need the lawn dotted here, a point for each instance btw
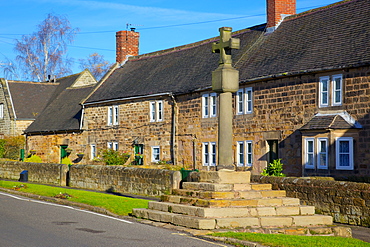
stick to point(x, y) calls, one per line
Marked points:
point(280, 240)
point(116, 204)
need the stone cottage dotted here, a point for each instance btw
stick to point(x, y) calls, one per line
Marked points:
point(20, 103)
point(303, 97)
point(58, 128)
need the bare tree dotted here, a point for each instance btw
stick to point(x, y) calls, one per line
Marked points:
point(43, 53)
point(96, 64)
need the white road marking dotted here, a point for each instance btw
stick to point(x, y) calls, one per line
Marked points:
point(64, 206)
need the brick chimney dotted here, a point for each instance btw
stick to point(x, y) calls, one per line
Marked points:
point(277, 10)
point(127, 44)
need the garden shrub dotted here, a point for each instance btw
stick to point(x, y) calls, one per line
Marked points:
point(10, 146)
point(33, 159)
point(113, 158)
point(274, 169)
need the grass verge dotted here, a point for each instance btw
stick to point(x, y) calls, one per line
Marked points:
point(277, 240)
point(116, 204)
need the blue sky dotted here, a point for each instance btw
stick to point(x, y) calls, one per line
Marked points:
point(162, 23)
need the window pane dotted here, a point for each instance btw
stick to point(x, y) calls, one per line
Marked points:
point(241, 153)
point(344, 160)
point(344, 147)
point(160, 108)
point(213, 153)
point(206, 154)
point(310, 160)
point(322, 159)
point(206, 104)
point(310, 146)
point(249, 100)
point(240, 102)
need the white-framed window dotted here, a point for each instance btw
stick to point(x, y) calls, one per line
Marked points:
point(209, 153)
point(331, 87)
point(322, 153)
point(1, 111)
point(113, 145)
point(93, 151)
point(209, 105)
point(244, 151)
point(156, 154)
point(156, 111)
point(337, 90)
point(244, 101)
point(344, 153)
point(310, 153)
point(113, 113)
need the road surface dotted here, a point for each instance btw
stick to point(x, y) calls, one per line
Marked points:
point(27, 222)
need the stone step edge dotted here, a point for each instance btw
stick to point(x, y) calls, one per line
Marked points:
point(258, 202)
point(232, 223)
point(206, 186)
point(231, 212)
point(245, 194)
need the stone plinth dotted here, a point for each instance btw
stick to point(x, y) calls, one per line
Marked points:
point(227, 199)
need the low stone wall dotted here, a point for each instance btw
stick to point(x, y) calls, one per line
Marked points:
point(347, 202)
point(37, 172)
point(152, 182)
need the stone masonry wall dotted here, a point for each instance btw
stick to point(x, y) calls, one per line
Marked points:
point(37, 172)
point(134, 125)
point(347, 202)
point(152, 182)
point(48, 146)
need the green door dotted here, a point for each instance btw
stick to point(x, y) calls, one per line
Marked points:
point(139, 154)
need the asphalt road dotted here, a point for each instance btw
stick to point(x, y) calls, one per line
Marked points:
point(27, 222)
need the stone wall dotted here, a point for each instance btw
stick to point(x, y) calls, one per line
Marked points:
point(44, 173)
point(347, 202)
point(152, 182)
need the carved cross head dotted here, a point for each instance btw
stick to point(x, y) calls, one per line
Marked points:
point(225, 45)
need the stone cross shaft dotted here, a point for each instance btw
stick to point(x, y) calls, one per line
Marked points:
point(225, 81)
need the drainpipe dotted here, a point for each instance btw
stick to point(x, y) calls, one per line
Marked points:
point(173, 132)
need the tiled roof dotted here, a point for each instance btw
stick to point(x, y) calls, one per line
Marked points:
point(30, 98)
point(330, 121)
point(63, 111)
point(332, 37)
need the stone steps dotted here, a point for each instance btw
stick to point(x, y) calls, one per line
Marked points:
point(249, 194)
point(255, 202)
point(227, 199)
point(233, 222)
point(230, 212)
point(225, 187)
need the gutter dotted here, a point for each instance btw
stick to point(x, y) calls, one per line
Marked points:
point(128, 98)
point(173, 132)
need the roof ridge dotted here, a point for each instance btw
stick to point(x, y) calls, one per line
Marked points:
point(320, 9)
point(191, 45)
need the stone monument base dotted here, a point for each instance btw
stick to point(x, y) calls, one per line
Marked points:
point(227, 199)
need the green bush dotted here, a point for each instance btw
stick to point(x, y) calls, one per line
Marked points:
point(274, 169)
point(33, 159)
point(10, 146)
point(114, 158)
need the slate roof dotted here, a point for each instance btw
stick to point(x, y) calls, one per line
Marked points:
point(30, 98)
point(332, 37)
point(331, 121)
point(63, 111)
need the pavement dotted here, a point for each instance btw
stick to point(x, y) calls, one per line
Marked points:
point(358, 232)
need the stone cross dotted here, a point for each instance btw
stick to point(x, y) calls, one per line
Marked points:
point(225, 81)
point(225, 45)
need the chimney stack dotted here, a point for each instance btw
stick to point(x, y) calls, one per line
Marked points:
point(127, 44)
point(277, 10)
